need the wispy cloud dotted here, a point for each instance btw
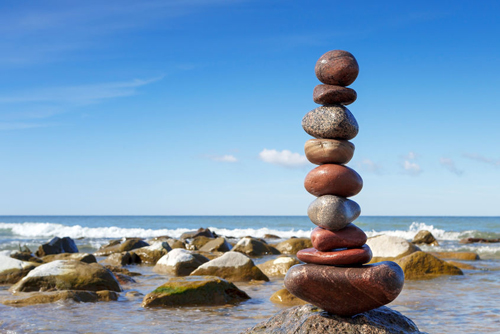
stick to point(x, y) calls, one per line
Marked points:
point(483, 159)
point(284, 158)
point(23, 125)
point(368, 165)
point(449, 164)
point(409, 165)
point(223, 158)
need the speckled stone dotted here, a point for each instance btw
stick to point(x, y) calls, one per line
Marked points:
point(329, 151)
point(337, 67)
point(346, 291)
point(336, 257)
point(333, 212)
point(331, 94)
point(331, 179)
point(350, 236)
point(330, 122)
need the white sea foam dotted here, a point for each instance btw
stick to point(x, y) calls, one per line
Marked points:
point(415, 227)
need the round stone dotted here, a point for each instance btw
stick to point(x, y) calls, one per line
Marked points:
point(336, 257)
point(346, 291)
point(333, 212)
point(337, 67)
point(331, 94)
point(329, 151)
point(330, 122)
point(350, 236)
point(330, 179)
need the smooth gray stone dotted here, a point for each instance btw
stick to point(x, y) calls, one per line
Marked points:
point(333, 212)
point(330, 122)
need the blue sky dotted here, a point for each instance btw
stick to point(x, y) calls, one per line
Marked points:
point(195, 107)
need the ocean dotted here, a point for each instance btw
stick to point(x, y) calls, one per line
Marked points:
point(449, 304)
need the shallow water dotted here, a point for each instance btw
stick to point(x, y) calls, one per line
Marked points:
point(451, 304)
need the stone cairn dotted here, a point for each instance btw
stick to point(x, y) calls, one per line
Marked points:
point(335, 276)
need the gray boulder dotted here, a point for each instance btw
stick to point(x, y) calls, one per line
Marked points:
point(179, 262)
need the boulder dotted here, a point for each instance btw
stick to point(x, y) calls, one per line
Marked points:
point(464, 256)
point(175, 243)
point(480, 240)
point(387, 247)
point(179, 262)
point(200, 232)
point(57, 246)
point(311, 319)
point(198, 242)
point(219, 244)
point(151, 254)
point(67, 275)
point(462, 265)
point(119, 246)
point(278, 266)
point(75, 295)
point(254, 247)
point(191, 291)
point(124, 279)
point(293, 245)
point(122, 259)
point(83, 257)
point(25, 256)
point(424, 237)
point(233, 266)
point(421, 265)
point(12, 270)
point(284, 297)
point(271, 236)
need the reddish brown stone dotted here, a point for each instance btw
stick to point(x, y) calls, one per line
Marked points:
point(350, 236)
point(329, 151)
point(337, 67)
point(330, 179)
point(346, 291)
point(340, 257)
point(331, 94)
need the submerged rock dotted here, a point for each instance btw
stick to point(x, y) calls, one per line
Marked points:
point(67, 275)
point(278, 266)
point(254, 247)
point(465, 256)
point(194, 290)
point(421, 265)
point(310, 319)
point(179, 262)
point(284, 297)
point(57, 246)
point(75, 295)
point(233, 266)
point(293, 245)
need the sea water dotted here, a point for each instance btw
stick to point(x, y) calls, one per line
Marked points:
point(449, 304)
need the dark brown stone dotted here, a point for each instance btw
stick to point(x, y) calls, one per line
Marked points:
point(337, 67)
point(336, 257)
point(346, 291)
point(330, 94)
point(330, 179)
point(329, 151)
point(330, 122)
point(349, 237)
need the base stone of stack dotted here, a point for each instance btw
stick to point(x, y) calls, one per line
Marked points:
point(312, 320)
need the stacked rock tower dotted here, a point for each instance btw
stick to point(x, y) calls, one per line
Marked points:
point(335, 277)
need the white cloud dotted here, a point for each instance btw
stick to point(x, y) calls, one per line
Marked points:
point(284, 158)
point(223, 158)
point(483, 159)
point(370, 166)
point(409, 165)
point(411, 156)
point(449, 164)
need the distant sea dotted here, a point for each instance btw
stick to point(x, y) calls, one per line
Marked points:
point(451, 304)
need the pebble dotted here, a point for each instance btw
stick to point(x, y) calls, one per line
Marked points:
point(337, 67)
point(333, 212)
point(331, 179)
point(331, 94)
point(350, 236)
point(330, 122)
point(336, 257)
point(346, 291)
point(329, 151)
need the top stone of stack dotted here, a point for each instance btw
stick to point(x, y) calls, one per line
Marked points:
point(337, 67)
